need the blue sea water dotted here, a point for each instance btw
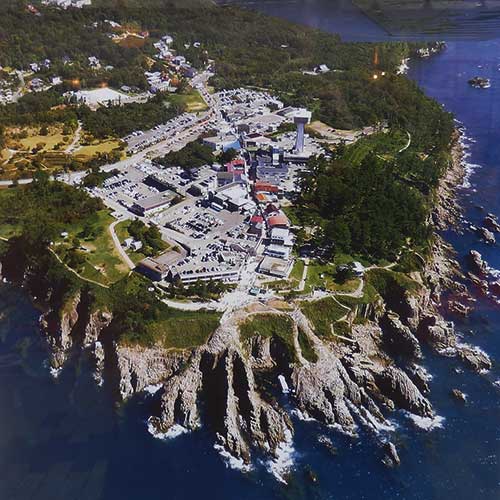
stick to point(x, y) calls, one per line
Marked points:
point(63, 439)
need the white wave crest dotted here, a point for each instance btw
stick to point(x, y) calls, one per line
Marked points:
point(281, 465)
point(426, 423)
point(231, 461)
point(175, 431)
point(469, 168)
point(153, 388)
point(302, 415)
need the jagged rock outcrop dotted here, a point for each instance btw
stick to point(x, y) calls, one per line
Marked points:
point(96, 322)
point(57, 327)
point(220, 377)
point(486, 235)
point(436, 332)
point(491, 223)
point(459, 395)
point(420, 378)
point(391, 458)
point(397, 386)
point(98, 356)
point(495, 288)
point(399, 337)
point(478, 360)
point(476, 263)
point(139, 367)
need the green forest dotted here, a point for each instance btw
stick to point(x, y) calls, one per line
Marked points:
point(252, 50)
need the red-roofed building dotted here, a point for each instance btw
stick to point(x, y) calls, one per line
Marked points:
point(265, 187)
point(271, 208)
point(280, 220)
point(236, 166)
point(257, 219)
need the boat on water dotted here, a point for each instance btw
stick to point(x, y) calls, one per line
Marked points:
point(480, 83)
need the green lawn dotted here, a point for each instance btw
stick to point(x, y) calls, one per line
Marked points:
point(323, 314)
point(306, 347)
point(386, 145)
point(193, 101)
point(297, 270)
point(323, 276)
point(269, 325)
point(102, 261)
point(185, 330)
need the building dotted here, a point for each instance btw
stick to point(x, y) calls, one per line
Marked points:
point(275, 267)
point(190, 276)
point(280, 236)
point(99, 97)
point(265, 187)
point(153, 204)
point(278, 251)
point(279, 220)
point(222, 143)
point(153, 269)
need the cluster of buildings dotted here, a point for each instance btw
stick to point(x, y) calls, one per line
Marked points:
point(220, 217)
point(178, 66)
point(66, 4)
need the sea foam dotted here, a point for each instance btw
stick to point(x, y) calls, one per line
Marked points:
point(426, 423)
point(231, 461)
point(281, 465)
point(175, 431)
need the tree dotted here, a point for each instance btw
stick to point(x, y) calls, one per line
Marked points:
point(228, 156)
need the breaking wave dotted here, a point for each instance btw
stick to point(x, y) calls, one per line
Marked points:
point(426, 423)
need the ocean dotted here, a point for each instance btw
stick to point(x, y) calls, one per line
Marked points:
point(63, 438)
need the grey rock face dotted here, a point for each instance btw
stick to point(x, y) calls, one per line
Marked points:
point(476, 263)
point(486, 235)
point(140, 367)
point(397, 385)
point(474, 357)
point(57, 326)
point(399, 337)
point(491, 223)
point(437, 332)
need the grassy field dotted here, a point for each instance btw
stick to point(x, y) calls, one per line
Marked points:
point(184, 331)
point(47, 151)
point(323, 314)
point(385, 145)
point(85, 153)
point(193, 101)
point(306, 347)
point(323, 276)
point(102, 261)
point(34, 138)
point(269, 325)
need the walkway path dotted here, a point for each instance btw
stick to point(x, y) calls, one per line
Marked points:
point(88, 280)
point(407, 144)
point(76, 139)
point(302, 283)
point(118, 246)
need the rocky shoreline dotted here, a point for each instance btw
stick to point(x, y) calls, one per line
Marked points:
point(231, 382)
